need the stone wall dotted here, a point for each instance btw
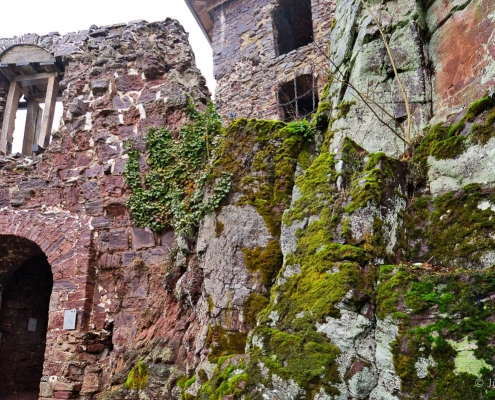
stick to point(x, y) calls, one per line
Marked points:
point(248, 70)
point(70, 203)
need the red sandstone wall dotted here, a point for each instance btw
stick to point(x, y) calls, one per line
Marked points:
point(462, 48)
point(119, 81)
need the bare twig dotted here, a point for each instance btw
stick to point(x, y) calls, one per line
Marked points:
point(366, 99)
point(394, 66)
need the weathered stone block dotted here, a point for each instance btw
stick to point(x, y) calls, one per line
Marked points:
point(118, 240)
point(45, 389)
point(78, 108)
point(100, 87)
point(142, 238)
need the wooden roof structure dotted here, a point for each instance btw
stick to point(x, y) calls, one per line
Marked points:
point(202, 11)
point(34, 74)
point(30, 66)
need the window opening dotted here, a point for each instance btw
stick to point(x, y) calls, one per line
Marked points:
point(293, 25)
point(298, 98)
point(18, 145)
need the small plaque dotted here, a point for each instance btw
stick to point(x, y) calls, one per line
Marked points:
point(32, 324)
point(70, 319)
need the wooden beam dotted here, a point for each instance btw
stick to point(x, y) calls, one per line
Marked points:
point(26, 53)
point(29, 80)
point(8, 126)
point(202, 19)
point(7, 72)
point(26, 68)
point(48, 112)
point(33, 110)
point(39, 121)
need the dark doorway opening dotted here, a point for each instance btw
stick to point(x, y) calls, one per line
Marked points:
point(24, 307)
point(298, 98)
point(293, 23)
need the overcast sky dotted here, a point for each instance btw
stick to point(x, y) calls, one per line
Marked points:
point(64, 16)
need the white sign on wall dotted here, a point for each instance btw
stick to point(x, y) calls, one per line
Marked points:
point(70, 319)
point(32, 324)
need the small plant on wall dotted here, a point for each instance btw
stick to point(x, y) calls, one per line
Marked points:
point(172, 193)
point(138, 376)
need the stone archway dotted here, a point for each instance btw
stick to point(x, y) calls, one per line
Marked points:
point(26, 283)
point(62, 244)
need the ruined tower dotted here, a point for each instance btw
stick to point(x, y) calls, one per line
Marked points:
point(269, 56)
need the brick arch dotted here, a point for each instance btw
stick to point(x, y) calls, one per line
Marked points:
point(66, 240)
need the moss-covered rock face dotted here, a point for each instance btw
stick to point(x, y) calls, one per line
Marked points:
point(337, 323)
point(445, 345)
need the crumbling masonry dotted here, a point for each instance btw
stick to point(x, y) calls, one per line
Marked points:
point(67, 206)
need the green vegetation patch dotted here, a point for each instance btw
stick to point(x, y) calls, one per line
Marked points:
point(371, 184)
point(171, 193)
point(308, 360)
point(266, 260)
point(138, 376)
point(444, 316)
point(229, 378)
point(461, 227)
point(252, 307)
point(261, 156)
point(224, 343)
point(454, 230)
point(446, 141)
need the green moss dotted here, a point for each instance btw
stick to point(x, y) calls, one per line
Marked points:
point(185, 383)
point(309, 360)
point(252, 307)
point(439, 314)
point(326, 89)
point(477, 107)
point(138, 376)
point(315, 182)
point(211, 306)
point(344, 108)
point(371, 183)
point(262, 156)
point(459, 229)
point(446, 141)
point(265, 260)
point(223, 343)
point(481, 134)
point(334, 23)
point(304, 158)
point(323, 106)
point(229, 378)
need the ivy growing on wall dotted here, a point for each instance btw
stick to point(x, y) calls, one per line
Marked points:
point(179, 188)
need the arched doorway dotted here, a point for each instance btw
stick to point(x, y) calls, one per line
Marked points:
point(26, 283)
